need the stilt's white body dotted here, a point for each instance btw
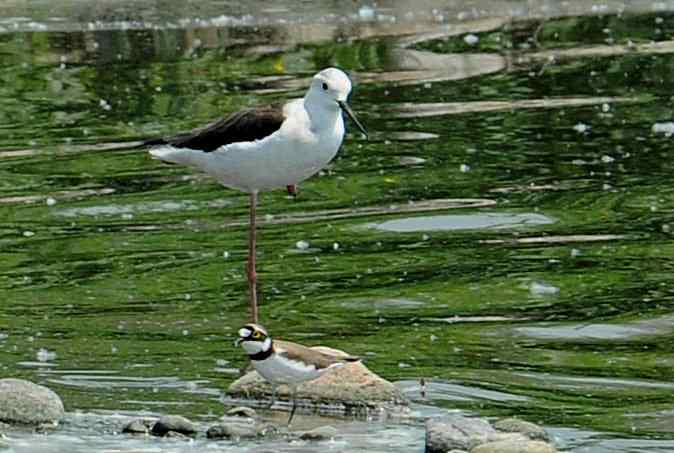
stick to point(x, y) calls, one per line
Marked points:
point(306, 142)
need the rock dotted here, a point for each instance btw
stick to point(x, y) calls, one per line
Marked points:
point(242, 411)
point(530, 430)
point(175, 423)
point(515, 446)
point(233, 431)
point(456, 432)
point(352, 385)
point(22, 402)
point(320, 433)
point(138, 426)
point(176, 435)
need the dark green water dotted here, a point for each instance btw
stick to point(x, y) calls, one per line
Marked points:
point(545, 291)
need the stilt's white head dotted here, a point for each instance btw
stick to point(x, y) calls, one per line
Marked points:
point(330, 89)
point(254, 338)
point(331, 84)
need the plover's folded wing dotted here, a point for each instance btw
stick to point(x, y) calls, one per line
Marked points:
point(300, 353)
point(243, 126)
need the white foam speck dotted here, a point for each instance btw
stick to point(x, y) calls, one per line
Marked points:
point(44, 355)
point(302, 245)
point(366, 13)
point(28, 234)
point(543, 289)
point(607, 159)
point(663, 128)
point(335, 246)
point(471, 39)
point(465, 168)
point(581, 128)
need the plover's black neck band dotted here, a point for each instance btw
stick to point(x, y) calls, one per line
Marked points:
point(262, 355)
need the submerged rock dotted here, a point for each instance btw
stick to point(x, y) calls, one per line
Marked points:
point(352, 386)
point(455, 432)
point(242, 411)
point(138, 426)
point(176, 435)
point(233, 431)
point(23, 402)
point(528, 429)
point(519, 444)
point(320, 433)
point(175, 423)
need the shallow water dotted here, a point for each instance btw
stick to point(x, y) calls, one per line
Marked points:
point(508, 226)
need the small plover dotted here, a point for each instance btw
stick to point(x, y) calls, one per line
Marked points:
point(283, 362)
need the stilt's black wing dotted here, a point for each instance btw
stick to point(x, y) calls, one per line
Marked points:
point(243, 126)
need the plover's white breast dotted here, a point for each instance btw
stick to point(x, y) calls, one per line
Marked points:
point(281, 370)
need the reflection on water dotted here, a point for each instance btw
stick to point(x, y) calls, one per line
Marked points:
point(518, 182)
point(463, 222)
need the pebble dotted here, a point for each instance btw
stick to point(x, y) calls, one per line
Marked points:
point(528, 429)
point(175, 423)
point(232, 431)
point(320, 433)
point(456, 432)
point(137, 426)
point(176, 435)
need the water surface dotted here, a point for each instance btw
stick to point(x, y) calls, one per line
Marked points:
point(518, 178)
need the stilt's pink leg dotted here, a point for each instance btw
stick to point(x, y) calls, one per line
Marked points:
point(252, 275)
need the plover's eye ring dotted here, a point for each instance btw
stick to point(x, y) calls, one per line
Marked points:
point(325, 86)
point(257, 335)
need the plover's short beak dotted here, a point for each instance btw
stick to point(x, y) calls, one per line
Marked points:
point(346, 109)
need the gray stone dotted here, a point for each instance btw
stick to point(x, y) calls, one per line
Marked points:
point(176, 435)
point(233, 431)
point(138, 426)
point(22, 402)
point(320, 433)
point(242, 411)
point(352, 385)
point(456, 432)
point(520, 445)
point(530, 430)
point(175, 423)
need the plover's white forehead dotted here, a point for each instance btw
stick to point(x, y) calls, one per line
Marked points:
point(244, 332)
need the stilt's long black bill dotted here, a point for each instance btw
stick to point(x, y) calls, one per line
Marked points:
point(346, 109)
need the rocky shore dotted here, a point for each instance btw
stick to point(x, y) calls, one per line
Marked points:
point(27, 405)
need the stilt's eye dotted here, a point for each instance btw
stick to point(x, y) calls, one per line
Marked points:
point(325, 86)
